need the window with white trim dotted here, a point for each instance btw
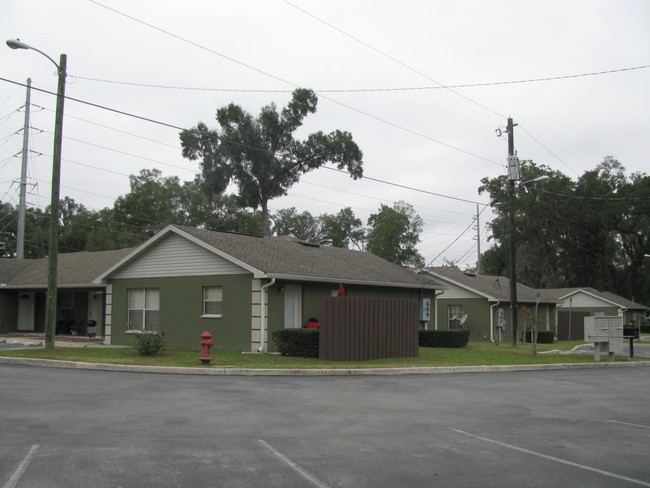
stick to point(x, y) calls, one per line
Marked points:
point(454, 316)
point(212, 301)
point(144, 309)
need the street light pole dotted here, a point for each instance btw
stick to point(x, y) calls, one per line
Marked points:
point(53, 252)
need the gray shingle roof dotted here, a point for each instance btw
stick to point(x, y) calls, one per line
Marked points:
point(275, 257)
point(10, 267)
point(495, 287)
point(286, 257)
point(73, 269)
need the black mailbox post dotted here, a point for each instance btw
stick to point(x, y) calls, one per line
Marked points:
point(631, 332)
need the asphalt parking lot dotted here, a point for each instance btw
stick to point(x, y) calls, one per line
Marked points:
point(579, 428)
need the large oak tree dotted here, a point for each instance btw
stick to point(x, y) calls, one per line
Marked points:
point(261, 155)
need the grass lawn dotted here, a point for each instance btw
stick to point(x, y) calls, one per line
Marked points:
point(475, 354)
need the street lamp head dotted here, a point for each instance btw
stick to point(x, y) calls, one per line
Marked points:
point(17, 44)
point(539, 179)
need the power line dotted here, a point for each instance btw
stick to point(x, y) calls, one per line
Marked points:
point(369, 178)
point(147, 119)
point(68, 116)
point(547, 149)
point(192, 43)
point(349, 107)
point(606, 199)
point(367, 90)
point(379, 51)
point(440, 85)
point(453, 242)
point(123, 152)
point(96, 105)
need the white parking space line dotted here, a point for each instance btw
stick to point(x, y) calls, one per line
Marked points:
point(627, 423)
point(557, 460)
point(22, 467)
point(302, 472)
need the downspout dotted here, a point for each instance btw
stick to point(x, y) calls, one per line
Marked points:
point(263, 312)
point(492, 319)
point(435, 299)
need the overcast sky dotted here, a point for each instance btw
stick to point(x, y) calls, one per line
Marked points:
point(379, 68)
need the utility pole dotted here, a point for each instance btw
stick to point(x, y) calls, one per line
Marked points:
point(53, 249)
point(478, 242)
point(513, 175)
point(20, 238)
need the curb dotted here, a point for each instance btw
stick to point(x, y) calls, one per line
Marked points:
point(220, 371)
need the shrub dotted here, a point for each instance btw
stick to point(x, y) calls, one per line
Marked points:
point(297, 342)
point(645, 329)
point(443, 338)
point(543, 337)
point(149, 342)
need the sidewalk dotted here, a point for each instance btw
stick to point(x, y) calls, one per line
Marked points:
point(221, 371)
point(37, 340)
point(641, 349)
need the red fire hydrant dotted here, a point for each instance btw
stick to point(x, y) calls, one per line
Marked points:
point(206, 344)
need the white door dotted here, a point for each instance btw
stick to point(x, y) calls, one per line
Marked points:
point(26, 303)
point(292, 306)
point(95, 306)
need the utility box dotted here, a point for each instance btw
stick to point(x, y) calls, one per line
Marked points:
point(606, 333)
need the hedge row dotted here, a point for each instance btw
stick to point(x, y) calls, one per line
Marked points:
point(443, 338)
point(297, 342)
point(543, 336)
point(645, 329)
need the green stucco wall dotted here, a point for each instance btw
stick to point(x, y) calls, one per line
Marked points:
point(478, 321)
point(181, 307)
point(478, 316)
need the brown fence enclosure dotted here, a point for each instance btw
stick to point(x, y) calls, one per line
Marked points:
point(571, 325)
point(358, 329)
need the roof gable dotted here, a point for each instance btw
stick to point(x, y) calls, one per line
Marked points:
point(607, 299)
point(175, 255)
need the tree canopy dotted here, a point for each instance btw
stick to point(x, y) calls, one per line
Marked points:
point(591, 232)
point(394, 233)
point(261, 156)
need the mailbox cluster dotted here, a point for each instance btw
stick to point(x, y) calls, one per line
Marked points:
point(606, 333)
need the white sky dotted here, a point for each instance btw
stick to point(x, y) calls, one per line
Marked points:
point(437, 140)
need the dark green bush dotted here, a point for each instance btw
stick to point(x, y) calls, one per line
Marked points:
point(297, 342)
point(149, 343)
point(543, 337)
point(645, 329)
point(443, 338)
